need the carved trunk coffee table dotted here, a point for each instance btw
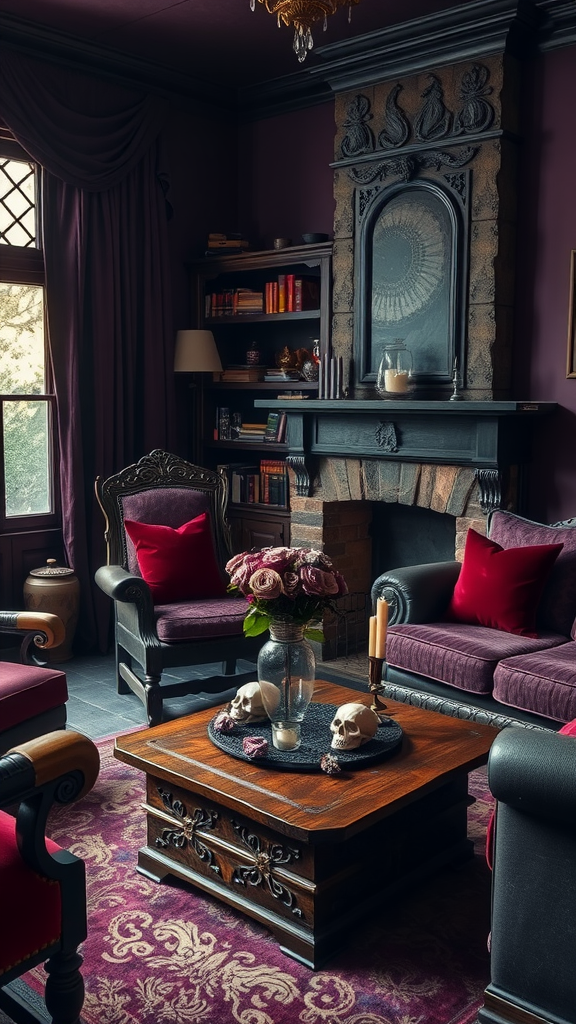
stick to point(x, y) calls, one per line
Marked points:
point(308, 855)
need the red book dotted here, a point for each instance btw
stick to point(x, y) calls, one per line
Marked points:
point(298, 295)
point(281, 293)
point(290, 293)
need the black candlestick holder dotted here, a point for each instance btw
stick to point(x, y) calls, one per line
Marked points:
point(375, 685)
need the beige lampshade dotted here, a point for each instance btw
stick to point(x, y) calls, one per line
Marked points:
point(196, 352)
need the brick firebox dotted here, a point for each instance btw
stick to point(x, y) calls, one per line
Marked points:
point(337, 517)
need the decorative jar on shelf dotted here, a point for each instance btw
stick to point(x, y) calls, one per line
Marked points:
point(286, 673)
point(395, 378)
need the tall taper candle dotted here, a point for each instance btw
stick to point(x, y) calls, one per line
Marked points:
point(381, 627)
point(372, 636)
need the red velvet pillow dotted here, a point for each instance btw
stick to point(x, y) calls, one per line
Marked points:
point(178, 565)
point(501, 588)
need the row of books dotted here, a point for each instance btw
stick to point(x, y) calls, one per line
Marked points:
point(265, 484)
point(290, 294)
point(286, 294)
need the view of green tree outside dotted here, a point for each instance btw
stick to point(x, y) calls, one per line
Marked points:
point(25, 422)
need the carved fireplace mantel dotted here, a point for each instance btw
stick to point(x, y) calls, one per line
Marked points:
point(488, 436)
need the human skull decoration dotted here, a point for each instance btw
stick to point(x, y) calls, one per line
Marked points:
point(353, 725)
point(247, 705)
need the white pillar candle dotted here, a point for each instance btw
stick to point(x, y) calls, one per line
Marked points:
point(372, 637)
point(381, 627)
point(396, 381)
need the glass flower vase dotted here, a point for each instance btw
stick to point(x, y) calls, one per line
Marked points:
point(286, 673)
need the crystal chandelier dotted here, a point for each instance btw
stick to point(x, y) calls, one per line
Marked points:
point(302, 14)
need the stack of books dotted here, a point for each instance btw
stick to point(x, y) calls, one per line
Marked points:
point(222, 244)
point(252, 432)
point(247, 301)
point(240, 373)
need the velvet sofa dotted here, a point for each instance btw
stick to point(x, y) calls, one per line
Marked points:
point(476, 671)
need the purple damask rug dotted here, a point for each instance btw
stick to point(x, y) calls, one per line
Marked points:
point(164, 954)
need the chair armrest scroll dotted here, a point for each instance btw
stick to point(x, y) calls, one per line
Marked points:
point(417, 593)
point(48, 629)
point(59, 753)
point(533, 771)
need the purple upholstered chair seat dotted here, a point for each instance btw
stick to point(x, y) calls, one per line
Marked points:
point(27, 691)
point(545, 682)
point(199, 620)
point(460, 655)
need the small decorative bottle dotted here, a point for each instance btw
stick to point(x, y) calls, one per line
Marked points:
point(253, 355)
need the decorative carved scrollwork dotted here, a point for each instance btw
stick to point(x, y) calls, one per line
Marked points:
point(433, 120)
point(408, 166)
point(187, 834)
point(490, 487)
point(266, 856)
point(458, 183)
point(396, 130)
point(360, 137)
point(297, 463)
point(386, 438)
point(476, 114)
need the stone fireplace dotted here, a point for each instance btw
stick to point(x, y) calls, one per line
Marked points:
point(425, 168)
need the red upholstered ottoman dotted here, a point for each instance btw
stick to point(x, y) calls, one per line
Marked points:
point(32, 702)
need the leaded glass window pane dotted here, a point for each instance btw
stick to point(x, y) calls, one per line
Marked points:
point(18, 223)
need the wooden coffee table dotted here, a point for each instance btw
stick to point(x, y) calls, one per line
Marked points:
point(307, 855)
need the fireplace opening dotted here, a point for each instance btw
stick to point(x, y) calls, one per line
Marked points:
point(409, 535)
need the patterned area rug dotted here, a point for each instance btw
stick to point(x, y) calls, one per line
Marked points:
point(164, 954)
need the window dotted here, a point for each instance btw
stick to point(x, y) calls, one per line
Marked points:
point(26, 415)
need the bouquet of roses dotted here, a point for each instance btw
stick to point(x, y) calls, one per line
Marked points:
point(293, 584)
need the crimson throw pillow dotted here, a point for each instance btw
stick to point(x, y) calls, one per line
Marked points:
point(499, 587)
point(178, 565)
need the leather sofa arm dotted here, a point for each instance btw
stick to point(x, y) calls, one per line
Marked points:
point(417, 593)
point(533, 772)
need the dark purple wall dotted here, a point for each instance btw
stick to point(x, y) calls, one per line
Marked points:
point(547, 233)
point(285, 180)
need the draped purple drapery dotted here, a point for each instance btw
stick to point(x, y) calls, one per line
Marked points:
point(109, 303)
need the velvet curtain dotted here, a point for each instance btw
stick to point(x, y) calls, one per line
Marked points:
point(109, 309)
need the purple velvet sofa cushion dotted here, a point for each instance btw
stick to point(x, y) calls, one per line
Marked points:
point(26, 691)
point(544, 682)
point(557, 610)
point(200, 620)
point(460, 655)
point(166, 506)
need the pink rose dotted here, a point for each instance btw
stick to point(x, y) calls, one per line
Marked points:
point(234, 563)
point(291, 581)
point(277, 558)
point(317, 583)
point(266, 584)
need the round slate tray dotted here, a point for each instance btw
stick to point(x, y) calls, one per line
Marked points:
point(316, 740)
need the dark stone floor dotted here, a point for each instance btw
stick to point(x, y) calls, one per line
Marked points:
point(96, 709)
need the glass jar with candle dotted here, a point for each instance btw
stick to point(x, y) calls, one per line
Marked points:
point(394, 378)
point(286, 673)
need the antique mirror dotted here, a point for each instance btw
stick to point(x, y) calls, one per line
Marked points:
point(411, 273)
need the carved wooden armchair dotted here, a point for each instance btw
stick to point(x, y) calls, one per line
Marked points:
point(42, 887)
point(182, 616)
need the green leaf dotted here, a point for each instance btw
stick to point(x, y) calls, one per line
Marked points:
point(255, 623)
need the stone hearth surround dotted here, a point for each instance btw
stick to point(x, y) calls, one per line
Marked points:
point(337, 517)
